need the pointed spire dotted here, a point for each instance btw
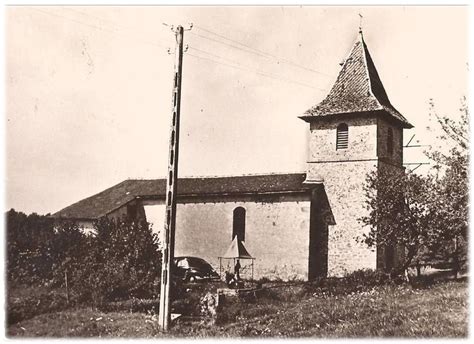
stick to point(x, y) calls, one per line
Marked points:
point(358, 88)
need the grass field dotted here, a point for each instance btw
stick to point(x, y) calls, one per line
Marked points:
point(293, 311)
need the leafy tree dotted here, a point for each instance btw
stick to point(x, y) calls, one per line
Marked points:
point(449, 198)
point(398, 216)
point(121, 260)
point(68, 248)
point(29, 239)
point(427, 216)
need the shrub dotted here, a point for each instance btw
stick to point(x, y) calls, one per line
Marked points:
point(29, 240)
point(366, 278)
point(121, 261)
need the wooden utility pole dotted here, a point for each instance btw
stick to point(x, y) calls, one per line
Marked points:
point(171, 187)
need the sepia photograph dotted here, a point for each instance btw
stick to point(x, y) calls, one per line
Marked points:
point(236, 171)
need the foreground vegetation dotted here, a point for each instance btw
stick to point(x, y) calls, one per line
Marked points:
point(119, 260)
point(289, 311)
point(426, 216)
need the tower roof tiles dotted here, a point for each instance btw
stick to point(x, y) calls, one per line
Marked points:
point(358, 88)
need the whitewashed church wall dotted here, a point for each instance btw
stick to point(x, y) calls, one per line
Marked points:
point(155, 215)
point(276, 234)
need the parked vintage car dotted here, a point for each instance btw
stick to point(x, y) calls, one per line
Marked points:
point(191, 269)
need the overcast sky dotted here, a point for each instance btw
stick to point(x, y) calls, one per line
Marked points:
point(89, 88)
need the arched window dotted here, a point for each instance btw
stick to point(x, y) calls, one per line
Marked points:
point(390, 141)
point(238, 227)
point(342, 136)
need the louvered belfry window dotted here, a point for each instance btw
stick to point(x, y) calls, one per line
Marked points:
point(342, 138)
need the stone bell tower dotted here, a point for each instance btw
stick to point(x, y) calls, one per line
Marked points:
point(353, 131)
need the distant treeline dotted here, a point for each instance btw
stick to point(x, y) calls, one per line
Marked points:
point(120, 259)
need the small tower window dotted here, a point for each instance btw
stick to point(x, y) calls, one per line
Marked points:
point(342, 136)
point(390, 141)
point(238, 228)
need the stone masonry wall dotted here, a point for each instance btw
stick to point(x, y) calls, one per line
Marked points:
point(344, 173)
point(344, 188)
point(362, 140)
point(276, 234)
point(382, 132)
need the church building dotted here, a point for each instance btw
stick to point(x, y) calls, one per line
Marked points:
point(299, 225)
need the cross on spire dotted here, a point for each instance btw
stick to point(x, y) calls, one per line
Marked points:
point(360, 22)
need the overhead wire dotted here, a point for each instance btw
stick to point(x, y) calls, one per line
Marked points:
point(245, 68)
point(260, 52)
point(227, 44)
point(214, 55)
point(248, 48)
point(110, 21)
point(254, 71)
point(100, 28)
point(248, 69)
point(235, 64)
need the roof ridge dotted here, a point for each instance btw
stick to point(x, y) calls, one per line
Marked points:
point(369, 62)
point(221, 176)
point(112, 198)
point(366, 67)
point(90, 197)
